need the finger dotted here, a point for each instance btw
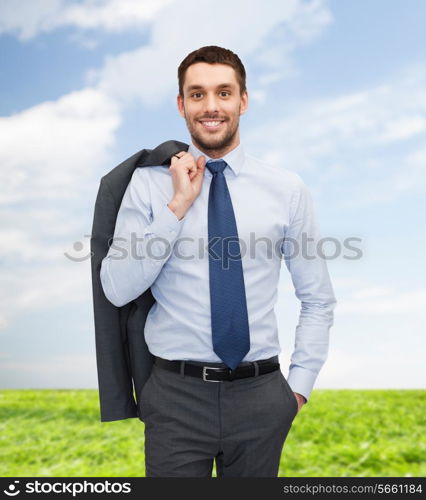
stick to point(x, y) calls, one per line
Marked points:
point(192, 172)
point(177, 156)
point(201, 163)
point(189, 163)
point(193, 168)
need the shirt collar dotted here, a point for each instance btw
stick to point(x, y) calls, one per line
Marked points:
point(234, 159)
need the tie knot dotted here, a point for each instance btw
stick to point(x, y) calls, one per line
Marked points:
point(216, 166)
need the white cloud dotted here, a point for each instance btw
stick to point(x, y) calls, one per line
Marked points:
point(148, 74)
point(346, 369)
point(43, 286)
point(364, 297)
point(371, 341)
point(403, 128)
point(112, 15)
point(302, 21)
point(347, 139)
point(31, 18)
point(21, 246)
point(371, 292)
point(65, 371)
point(34, 17)
point(50, 155)
point(380, 301)
point(324, 127)
point(411, 177)
point(51, 149)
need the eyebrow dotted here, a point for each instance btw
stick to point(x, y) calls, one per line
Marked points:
point(220, 86)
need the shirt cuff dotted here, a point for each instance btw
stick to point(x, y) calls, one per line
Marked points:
point(301, 380)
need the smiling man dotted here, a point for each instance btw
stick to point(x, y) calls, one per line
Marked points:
point(211, 103)
point(216, 226)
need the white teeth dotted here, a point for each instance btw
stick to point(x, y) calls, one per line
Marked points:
point(211, 124)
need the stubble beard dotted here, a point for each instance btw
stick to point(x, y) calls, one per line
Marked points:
point(213, 145)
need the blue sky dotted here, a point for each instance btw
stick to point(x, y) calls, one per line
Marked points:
point(337, 93)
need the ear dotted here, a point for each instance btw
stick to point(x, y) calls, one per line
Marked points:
point(180, 106)
point(244, 103)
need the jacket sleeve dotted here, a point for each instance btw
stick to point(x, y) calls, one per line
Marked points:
point(116, 397)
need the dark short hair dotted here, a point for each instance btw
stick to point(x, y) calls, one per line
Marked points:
point(213, 54)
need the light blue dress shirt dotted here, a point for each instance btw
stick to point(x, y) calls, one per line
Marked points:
point(273, 208)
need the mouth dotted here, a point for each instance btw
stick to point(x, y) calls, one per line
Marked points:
point(212, 124)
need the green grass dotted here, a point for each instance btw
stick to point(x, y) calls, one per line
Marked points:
point(338, 433)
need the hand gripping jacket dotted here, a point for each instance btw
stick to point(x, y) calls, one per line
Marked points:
point(124, 362)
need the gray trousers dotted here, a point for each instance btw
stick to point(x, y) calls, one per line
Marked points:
point(242, 424)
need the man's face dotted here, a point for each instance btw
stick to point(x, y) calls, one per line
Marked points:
point(212, 105)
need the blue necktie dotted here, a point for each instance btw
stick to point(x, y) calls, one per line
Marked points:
point(230, 327)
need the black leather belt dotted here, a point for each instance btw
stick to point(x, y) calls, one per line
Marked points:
point(216, 374)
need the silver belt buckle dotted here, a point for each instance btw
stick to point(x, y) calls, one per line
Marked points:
point(210, 368)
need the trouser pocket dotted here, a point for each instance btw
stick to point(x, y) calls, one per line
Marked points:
point(292, 398)
point(144, 395)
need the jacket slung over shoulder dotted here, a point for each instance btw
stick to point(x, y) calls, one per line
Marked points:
point(123, 360)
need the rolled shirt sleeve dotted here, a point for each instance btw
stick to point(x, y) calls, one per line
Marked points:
point(141, 244)
point(313, 288)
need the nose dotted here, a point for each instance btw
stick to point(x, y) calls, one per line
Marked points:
point(211, 104)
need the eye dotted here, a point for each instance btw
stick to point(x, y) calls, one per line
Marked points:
point(196, 95)
point(225, 93)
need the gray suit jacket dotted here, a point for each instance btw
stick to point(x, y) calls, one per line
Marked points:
point(124, 362)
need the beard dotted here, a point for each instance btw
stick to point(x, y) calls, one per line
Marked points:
point(211, 142)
